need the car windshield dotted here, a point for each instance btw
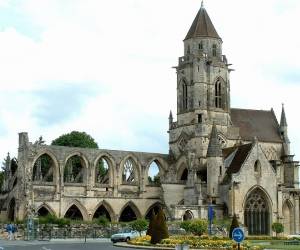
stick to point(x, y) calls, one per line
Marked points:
point(125, 230)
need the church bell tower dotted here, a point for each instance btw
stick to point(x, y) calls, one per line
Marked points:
point(203, 91)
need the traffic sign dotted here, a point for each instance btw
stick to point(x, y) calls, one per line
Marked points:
point(210, 213)
point(238, 235)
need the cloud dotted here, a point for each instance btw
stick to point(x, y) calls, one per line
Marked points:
point(60, 104)
point(128, 51)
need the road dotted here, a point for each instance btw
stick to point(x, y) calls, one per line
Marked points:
point(58, 246)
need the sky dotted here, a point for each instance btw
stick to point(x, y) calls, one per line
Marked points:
point(105, 67)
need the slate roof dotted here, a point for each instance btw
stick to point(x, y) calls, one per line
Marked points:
point(237, 155)
point(202, 26)
point(260, 123)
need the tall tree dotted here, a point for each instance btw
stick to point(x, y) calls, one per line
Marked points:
point(1, 179)
point(234, 224)
point(160, 229)
point(75, 139)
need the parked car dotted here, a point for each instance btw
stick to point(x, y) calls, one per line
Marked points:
point(125, 234)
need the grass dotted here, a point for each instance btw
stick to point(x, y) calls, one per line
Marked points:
point(273, 244)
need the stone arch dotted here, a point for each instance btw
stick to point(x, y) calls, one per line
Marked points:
point(76, 205)
point(154, 207)
point(182, 173)
point(54, 166)
point(288, 217)
point(257, 211)
point(129, 212)
point(11, 209)
point(136, 170)
point(107, 207)
point(47, 207)
point(161, 168)
point(56, 172)
point(180, 167)
point(76, 171)
point(112, 167)
point(188, 215)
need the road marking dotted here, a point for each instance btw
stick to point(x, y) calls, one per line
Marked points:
point(45, 248)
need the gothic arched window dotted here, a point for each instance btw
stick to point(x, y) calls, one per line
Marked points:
point(102, 171)
point(184, 96)
point(214, 50)
point(257, 168)
point(201, 46)
point(218, 94)
point(256, 213)
point(43, 169)
point(129, 172)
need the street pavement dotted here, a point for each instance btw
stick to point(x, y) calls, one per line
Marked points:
point(59, 245)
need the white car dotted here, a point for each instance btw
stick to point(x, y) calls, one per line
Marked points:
point(125, 234)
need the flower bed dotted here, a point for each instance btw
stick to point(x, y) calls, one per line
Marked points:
point(199, 242)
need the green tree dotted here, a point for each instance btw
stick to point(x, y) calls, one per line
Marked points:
point(234, 224)
point(75, 139)
point(1, 179)
point(151, 223)
point(277, 228)
point(139, 225)
point(160, 229)
point(198, 227)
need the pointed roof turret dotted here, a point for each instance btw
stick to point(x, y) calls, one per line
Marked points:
point(214, 148)
point(283, 122)
point(202, 26)
point(171, 115)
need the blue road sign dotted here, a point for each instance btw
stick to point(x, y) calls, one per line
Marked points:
point(210, 213)
point(238, 235)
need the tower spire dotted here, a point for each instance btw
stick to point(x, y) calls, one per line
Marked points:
point(202, 26)
point(283, 122)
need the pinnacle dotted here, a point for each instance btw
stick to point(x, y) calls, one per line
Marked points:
point(214, 148)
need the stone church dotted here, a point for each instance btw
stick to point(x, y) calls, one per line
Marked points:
point(236, 160)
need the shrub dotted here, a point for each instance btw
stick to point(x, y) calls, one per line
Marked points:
point(277, 228)
point(234, 224)
point(139, 225)
point(223, 223)
point(51, 219)
point(198, 227)
point(102, 221)
point(160, 230)
point(186, 225)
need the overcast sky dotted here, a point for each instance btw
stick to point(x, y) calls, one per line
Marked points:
point(105, 67)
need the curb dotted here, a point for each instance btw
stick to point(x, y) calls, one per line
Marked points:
point(124, 244)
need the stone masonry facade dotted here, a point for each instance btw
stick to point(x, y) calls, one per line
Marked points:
point(236, 160)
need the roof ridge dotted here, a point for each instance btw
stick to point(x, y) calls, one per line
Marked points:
point(264, 110)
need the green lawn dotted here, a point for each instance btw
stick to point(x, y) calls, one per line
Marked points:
point(273, 244)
